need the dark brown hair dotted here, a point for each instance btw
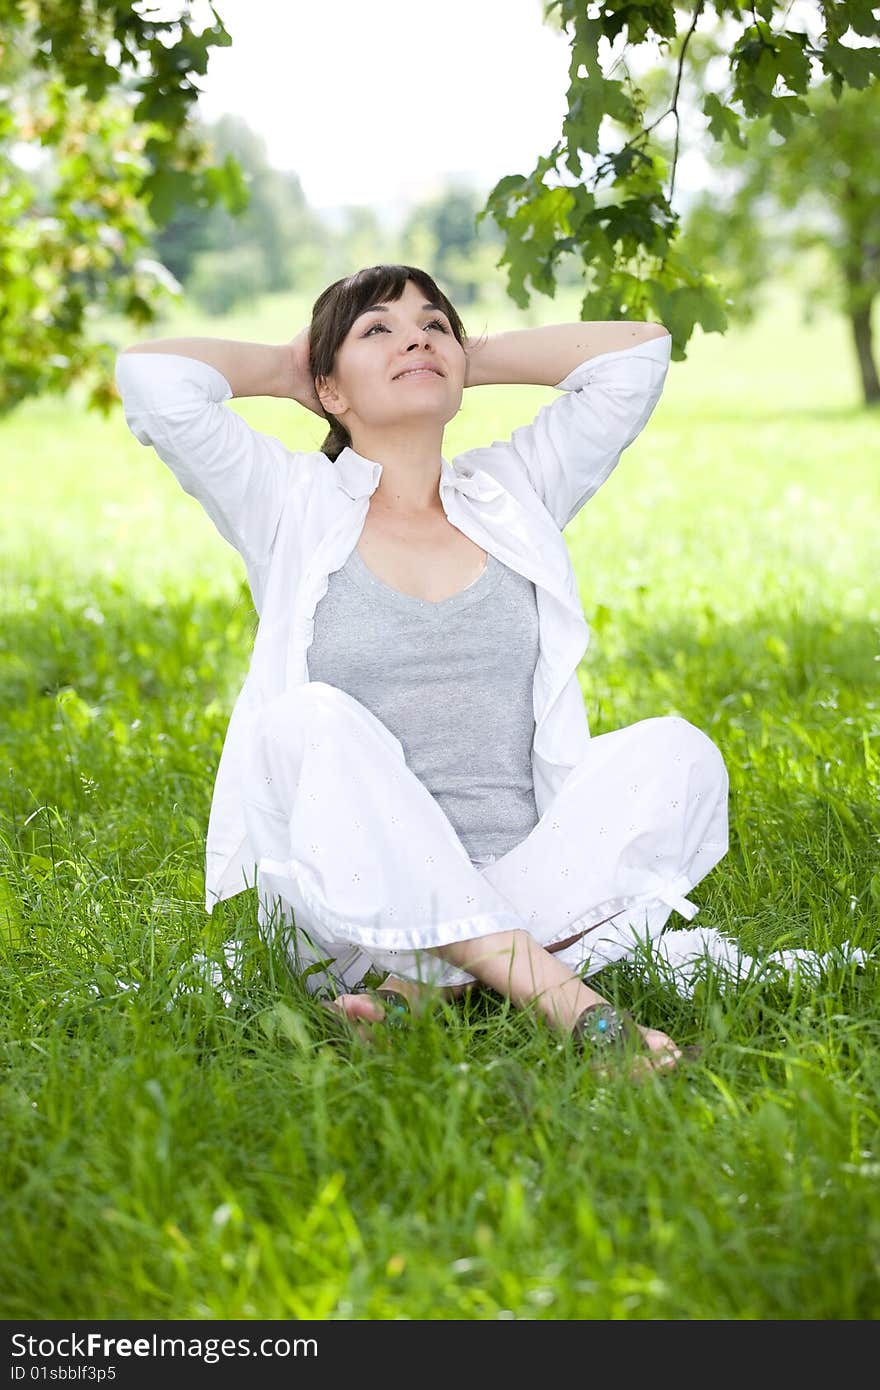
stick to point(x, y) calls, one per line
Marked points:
point(336, 309)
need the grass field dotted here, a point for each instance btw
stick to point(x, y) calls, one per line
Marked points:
point(169, 1156)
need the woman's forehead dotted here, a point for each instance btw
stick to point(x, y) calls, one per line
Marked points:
point(386, 306)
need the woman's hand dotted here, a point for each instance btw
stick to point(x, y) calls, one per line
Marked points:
point(303, 384)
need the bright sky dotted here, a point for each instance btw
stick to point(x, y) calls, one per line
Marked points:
point(383, 102)
point(380, 101)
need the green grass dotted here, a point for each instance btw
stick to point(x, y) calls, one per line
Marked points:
point(166, 1156)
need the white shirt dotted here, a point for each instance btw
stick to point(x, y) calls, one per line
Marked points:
point(295, 517)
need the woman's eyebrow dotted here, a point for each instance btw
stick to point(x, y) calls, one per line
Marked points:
point(382, 309)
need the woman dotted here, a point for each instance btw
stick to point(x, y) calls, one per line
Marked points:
point(408, 776)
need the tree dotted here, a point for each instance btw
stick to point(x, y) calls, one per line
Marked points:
point(360, 239)
point(618, 215)
point(827, 176)
point(102, 95)
point(443, 232)
point(274, 244)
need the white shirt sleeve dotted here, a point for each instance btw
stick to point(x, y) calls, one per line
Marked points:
point(239, 475)
point(575, 442)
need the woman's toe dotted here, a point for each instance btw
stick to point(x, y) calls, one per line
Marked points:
point(357, 1007)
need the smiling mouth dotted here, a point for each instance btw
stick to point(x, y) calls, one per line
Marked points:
point(418, 371)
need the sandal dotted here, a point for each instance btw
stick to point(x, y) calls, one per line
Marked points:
point(398, 1012)
point(605, 1033)
point(601, 1028)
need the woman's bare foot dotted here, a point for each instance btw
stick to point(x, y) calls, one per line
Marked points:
point(664, 1053)
point(359, 1010)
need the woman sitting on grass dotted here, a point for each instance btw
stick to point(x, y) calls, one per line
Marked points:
point(408, 776)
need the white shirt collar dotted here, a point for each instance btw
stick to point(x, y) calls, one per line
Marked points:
point(359, 476)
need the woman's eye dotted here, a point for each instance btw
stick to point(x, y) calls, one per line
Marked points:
point(380, 324)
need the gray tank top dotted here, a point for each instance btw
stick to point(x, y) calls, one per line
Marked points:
point(452, 681)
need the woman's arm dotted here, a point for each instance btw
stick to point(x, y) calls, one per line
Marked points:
point(176, 402)
point(575, 441)
point(252, 369)
point(544, 356)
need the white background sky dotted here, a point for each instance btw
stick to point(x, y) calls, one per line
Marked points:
point(380, 101)
point(383, 102)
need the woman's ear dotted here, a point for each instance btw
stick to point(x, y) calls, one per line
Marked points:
point(329, 395)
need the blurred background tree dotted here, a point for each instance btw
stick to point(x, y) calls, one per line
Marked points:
point(275, 244)
point(815, 193)
point(443, 232)
point(100, 98)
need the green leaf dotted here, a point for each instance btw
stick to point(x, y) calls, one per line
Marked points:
point(585, 48)
point(722, 121)
point(682, 308)
point(860, 17)
point(291, 1024)
point(581, 126)
point(40, 866)
point(792, 62)
point(783, 111)
point(166, 190)
point(10, 917)
point(857, 65)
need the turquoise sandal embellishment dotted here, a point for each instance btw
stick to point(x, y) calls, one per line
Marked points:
point(397, 1009)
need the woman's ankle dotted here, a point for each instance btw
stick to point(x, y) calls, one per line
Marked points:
point(408, 988)
point(415, 992)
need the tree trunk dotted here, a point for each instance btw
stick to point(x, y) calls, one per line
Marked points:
point(860, 320)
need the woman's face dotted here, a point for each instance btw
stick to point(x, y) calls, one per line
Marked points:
point(385, 341)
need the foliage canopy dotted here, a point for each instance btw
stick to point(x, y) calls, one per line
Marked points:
point(108, 93)
point(618, 216)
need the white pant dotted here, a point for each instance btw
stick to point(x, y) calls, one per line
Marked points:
point(361, 869)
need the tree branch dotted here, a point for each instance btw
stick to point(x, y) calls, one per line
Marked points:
point(674, 107)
